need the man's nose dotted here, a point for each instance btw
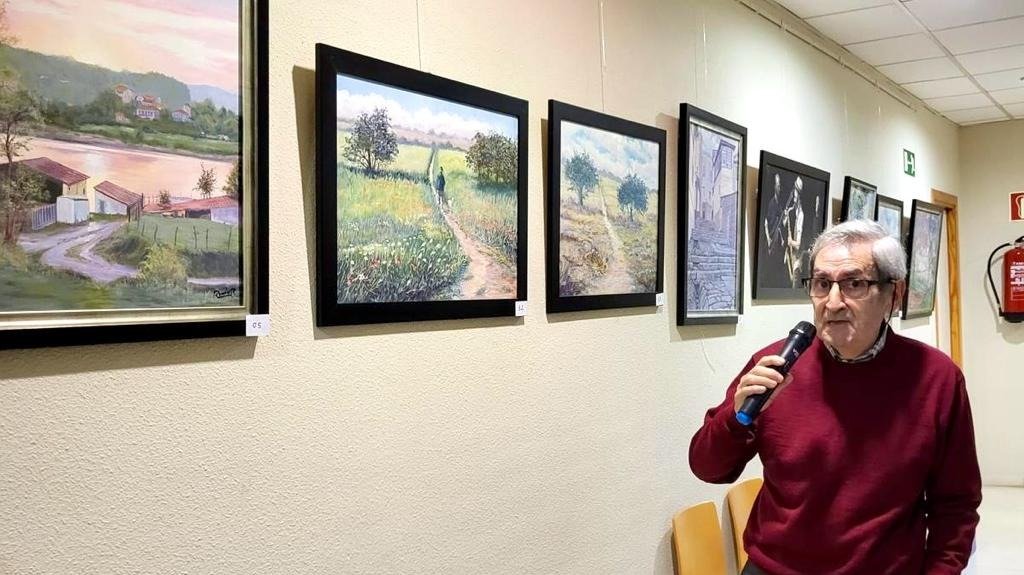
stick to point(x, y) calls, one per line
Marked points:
point(835, 298)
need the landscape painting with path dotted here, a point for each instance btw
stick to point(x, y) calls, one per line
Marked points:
point(608, 239)
point(426, 197)
point(119, 155)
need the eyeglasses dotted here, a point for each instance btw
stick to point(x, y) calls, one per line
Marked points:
point(853, 288)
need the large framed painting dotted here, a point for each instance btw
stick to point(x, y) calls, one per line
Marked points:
point(859, 200)
point(421, 195)
point(923, 255)
point(791, 212)
point(889, 214)
point(712, 168)
point(606, 210)
point(133, 170)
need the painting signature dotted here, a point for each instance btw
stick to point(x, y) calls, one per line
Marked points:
point(223, 293)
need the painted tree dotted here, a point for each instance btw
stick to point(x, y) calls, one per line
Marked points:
point(231, 187)
point(372, 142)
point(165, 199)
point(633, 194)
point(207, 181)
point(18, 189)
point(494, 158)
point(582, 175)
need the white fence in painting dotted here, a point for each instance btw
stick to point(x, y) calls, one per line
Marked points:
point(44, 216)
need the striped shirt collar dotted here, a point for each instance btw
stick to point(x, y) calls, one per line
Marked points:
point(867, 355)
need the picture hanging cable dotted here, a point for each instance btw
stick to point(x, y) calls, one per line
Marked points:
point(419, 36)
point(604, 59)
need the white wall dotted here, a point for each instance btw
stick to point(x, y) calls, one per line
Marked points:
point(991, 168)
point(553, 445)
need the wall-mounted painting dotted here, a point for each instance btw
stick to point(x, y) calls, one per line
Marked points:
point(890, 215)
point(859, 200)
point(606, 210)
point(712, 162)
point(791, 212)
point(133, 183)
point(421, 195)
point(923, 255)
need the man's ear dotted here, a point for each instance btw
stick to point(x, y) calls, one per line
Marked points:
point(899, 289)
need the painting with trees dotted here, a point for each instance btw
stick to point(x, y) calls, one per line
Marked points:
point(606, 210)
point(122, 170)
point(426, 195)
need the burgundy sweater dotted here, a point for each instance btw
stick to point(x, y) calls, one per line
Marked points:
point(869, 468)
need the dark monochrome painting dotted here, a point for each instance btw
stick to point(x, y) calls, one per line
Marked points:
point(859, 199)
point(130, 172)
point(923, 249)
point(712, 166)
point(791, 212)
point(890, 216)
point(422, 184)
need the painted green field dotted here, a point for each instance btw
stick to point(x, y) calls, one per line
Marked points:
point(393, 244)
point(206, 248)
point(27, 285)
point(180, 142)
point(488, 213)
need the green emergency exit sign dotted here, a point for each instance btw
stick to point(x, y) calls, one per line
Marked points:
point(909, 165)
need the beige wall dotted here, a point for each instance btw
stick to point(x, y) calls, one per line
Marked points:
point(991, 168)
point(550, 445)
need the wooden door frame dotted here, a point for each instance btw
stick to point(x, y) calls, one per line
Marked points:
point(949, 203)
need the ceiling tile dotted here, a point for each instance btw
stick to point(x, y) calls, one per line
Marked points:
point(939, 14)
point(930, 69)
point(941, 88)
point(1002, 80)
point(959, 102)
point(812, 8)
point(973, 115)
point(1011, 96)
point(1016, 109)
point(983, 36)
point(892, 50)
point(993, 60)
point(865, 25)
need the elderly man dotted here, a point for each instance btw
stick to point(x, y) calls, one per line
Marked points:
point(867, 445)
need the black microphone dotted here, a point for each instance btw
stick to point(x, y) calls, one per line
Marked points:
point(800, 338)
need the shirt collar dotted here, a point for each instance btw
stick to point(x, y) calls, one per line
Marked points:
point(867, 355)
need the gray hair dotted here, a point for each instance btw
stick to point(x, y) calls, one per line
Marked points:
point(887, 251)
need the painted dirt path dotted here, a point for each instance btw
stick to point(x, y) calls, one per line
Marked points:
point(55, 250)
point(484, 278)
point(617, 278)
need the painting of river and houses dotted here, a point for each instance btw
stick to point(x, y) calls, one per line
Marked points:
point(120, 141)
point(606, 211)
point(426, 194)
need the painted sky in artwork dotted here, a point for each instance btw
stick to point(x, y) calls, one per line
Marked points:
point(418, 111)
point(612, 152)
point(194, 41)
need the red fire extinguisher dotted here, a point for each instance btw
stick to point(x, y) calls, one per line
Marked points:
point(1013, 281)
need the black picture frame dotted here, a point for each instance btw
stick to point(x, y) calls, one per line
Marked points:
point(924, 241)
point(144, 325)
point(780, 269)
point(889, 214)
point(333, 62)
point(557, 302)
point(860, 197)
point(696, 124)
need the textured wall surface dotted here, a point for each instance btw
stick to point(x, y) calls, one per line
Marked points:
point(991, 168)
point(544, 445)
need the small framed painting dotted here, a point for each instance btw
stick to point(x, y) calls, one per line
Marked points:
point(859, 200)
point(889, 213)
point(923, 253)
point(606, 210)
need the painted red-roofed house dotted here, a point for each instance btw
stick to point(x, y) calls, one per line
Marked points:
point(113, 199)
point(126, 94)
point(222, 209)
point(60, 179)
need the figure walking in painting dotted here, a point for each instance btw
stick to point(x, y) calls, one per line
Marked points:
point(439, 185)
